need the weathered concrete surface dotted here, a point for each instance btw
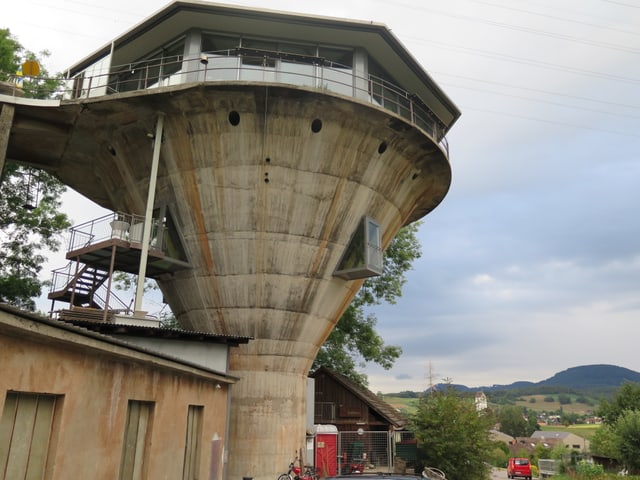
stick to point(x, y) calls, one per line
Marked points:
point(95, 377)
point(266, 208)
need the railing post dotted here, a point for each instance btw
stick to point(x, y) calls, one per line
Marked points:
point(411, 112)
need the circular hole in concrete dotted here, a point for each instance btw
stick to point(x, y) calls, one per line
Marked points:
point(382, 147)
point(266, 180)
point(267, 159)
point(234, 118)
point(112, 150)
point(316, 125)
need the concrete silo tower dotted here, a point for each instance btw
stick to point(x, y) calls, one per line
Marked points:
point(287, 152)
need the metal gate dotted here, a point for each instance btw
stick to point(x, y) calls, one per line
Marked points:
point(362, 451)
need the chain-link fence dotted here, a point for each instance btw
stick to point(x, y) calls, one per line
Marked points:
point(361, 451)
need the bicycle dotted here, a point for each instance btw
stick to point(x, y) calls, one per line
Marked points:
point(296, 472)
point(292, 469)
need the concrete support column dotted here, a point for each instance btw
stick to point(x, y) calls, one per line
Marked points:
point(6, 120)
point(267, 424)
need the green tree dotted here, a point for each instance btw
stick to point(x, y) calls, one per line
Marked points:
point(603, 442)
point(26, 232)
point(452, 435)
point(564, 399)
point(532, 422)
point(10, 54)
point(354, 341)
point(619, 438)
point(513, 422)
point(627, 439)
point(627, 397)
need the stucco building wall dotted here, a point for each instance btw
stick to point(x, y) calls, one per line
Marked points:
point(93, 380)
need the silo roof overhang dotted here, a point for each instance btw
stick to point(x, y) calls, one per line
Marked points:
point(180, 16)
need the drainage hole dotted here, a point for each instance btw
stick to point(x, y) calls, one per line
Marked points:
point(316, 125)
point(234, 118)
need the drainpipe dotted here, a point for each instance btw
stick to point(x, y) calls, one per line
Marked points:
point(146, 234)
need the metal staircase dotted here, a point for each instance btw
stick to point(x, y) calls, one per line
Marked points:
point(113, 243)
point(83, 286)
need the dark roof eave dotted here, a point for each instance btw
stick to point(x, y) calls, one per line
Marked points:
point(160, 332)
point(34, 317)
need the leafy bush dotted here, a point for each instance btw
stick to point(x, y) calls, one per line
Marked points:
point(564, 399)
point(589, 469)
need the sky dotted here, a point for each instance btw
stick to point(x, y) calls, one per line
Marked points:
point(531, 264)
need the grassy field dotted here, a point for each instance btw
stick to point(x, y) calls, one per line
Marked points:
point(408, 407)
point(405, 405)
point(533, 402)
point(537, 403)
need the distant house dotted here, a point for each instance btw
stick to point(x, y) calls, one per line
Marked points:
point(481, 401)
point(529, 444)
point(121, 401)
point(568, 439)
point(498, 436)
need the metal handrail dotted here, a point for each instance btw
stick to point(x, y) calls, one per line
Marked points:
point(117, 225)
point(62, 278)
point(209, 67)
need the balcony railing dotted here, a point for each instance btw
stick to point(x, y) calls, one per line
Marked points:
point(117, 225)
point(254, 66)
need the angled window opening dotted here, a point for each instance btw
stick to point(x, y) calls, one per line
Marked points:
point(168, 234)
point(363, 256)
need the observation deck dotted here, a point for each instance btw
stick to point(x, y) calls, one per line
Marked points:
point(250, 65)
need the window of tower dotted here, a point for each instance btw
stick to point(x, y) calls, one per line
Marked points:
point(363, 256)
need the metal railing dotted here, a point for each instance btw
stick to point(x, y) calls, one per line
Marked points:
point(255, 66)
point(63, 278)
point(118, 225)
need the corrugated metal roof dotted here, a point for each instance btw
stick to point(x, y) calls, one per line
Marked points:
point(159, 332)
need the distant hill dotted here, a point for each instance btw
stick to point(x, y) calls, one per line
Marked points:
point(587, 377)
point(593, 376)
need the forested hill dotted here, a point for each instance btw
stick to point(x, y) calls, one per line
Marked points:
point(593, 376)
point(587, 377)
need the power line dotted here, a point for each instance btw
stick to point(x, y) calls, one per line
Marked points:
point(546, 92)
point(555, 17)
point(552, 122)
point(535, 31)
point(548, 102)
point(526, 61)
point(622, 3)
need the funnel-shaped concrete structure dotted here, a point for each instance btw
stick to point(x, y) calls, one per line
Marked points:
point(281, 135)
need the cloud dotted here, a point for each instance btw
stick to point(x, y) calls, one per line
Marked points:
point(531, 263)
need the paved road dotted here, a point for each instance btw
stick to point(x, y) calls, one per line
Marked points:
point(498, 473)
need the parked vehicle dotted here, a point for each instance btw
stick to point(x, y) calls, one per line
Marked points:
point(519, 467)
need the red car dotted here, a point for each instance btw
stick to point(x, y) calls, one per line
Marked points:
point(519, 467)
